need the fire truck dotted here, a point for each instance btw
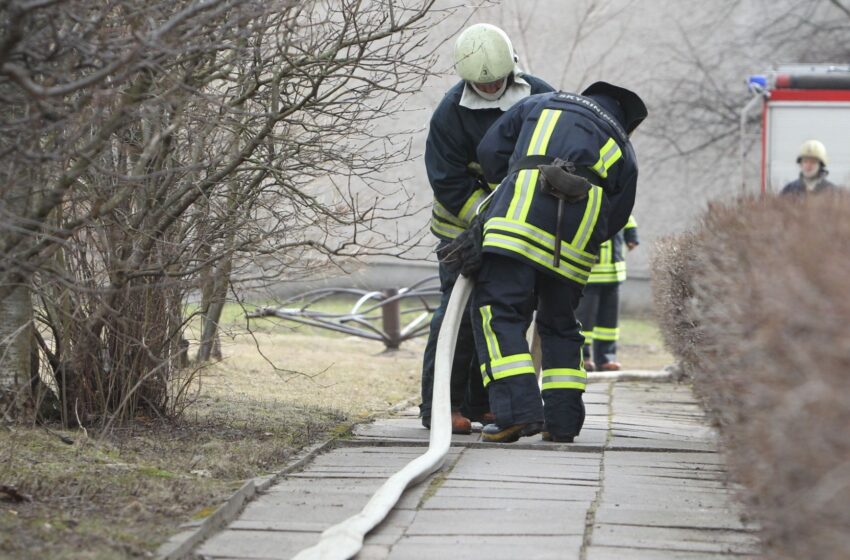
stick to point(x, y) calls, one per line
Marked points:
point(800, 103)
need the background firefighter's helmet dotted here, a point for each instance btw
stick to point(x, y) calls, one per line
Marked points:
point(813, 149)
point(632, 108)
point(483, 53)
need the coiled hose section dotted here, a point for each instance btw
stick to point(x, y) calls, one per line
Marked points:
point(344, 540)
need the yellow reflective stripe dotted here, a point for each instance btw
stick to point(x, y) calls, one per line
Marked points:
point(606, 333)
point(588, 221)
point(607, 273)
point(533, 233)
point(564, 378)
point(445, 229)
point(547, 134)
point(535, 254)
point(599, 166)
point(632, 223)
point(523, 184)
point(604, 254)
point(588, 336)
point(527, 178)
point(609, 154)
point(493, 186)
point(564, 385)
point(516, 364)
point(539, 143)
point(543, 132)
point(471, 205)
point(493, 349)
point(442, 213)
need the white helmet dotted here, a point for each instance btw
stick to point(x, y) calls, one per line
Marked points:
point(813, 149)
point(483, 54)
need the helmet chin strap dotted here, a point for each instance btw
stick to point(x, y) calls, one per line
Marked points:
point(491, 96)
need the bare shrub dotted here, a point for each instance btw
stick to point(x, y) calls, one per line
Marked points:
point(154, 149)
point(756, 304)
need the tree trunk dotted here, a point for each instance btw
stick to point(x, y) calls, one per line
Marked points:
point(213, 304)
point(15, 353)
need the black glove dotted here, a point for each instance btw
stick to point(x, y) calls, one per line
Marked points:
point(463, 254)
point(559, 180)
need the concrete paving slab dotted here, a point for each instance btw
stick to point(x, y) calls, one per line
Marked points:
point(501, 503)
point(665, 538)
point(476, 489)
point(372, 551)
point(676, 482)
point(664, 493)
point(674, 518)
point(395, 523)
point(255, 545)
point(552, 521)
point(487, 547)
point(618, 553)
point(670, 459)
point(668, 499)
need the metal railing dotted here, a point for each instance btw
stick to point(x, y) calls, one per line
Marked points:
point(375, 315)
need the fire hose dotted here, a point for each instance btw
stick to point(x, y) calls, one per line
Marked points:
point(344, 540)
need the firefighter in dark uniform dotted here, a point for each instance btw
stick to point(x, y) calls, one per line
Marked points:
point(491, 83)
point(599, 309)
point(812, 160)
point(541, 237)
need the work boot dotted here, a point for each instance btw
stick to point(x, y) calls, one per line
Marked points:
point(611, 366)
point(509, 434)
point(487, 418)
point(589, 365)
point(460, 423)
point(548, 436)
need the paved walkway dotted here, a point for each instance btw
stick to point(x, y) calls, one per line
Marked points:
point(643, 481)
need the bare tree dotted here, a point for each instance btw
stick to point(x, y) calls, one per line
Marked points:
point(151, 150)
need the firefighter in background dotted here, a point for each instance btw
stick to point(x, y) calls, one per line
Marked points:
point(568, 177)
point(491, 83)
point(812, 161)
point(599, 309)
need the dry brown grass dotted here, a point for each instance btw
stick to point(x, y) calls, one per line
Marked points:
point(123, 495)
point(756, 304)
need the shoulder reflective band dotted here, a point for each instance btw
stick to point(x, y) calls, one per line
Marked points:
point(527, 178)
point(609, 154)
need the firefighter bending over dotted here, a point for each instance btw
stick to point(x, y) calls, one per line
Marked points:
point(568, 177)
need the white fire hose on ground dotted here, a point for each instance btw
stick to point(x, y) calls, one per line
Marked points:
point(344, 540)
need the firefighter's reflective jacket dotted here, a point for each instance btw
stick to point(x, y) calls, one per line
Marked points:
point(520, 220)
point(450, 158)
point(611, 268)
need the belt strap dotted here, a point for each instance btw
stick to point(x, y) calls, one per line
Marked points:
point(530, 162)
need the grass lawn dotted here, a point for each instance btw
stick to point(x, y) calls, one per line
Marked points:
point(275, 391)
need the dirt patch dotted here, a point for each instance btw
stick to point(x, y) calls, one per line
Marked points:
point(756, 305)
